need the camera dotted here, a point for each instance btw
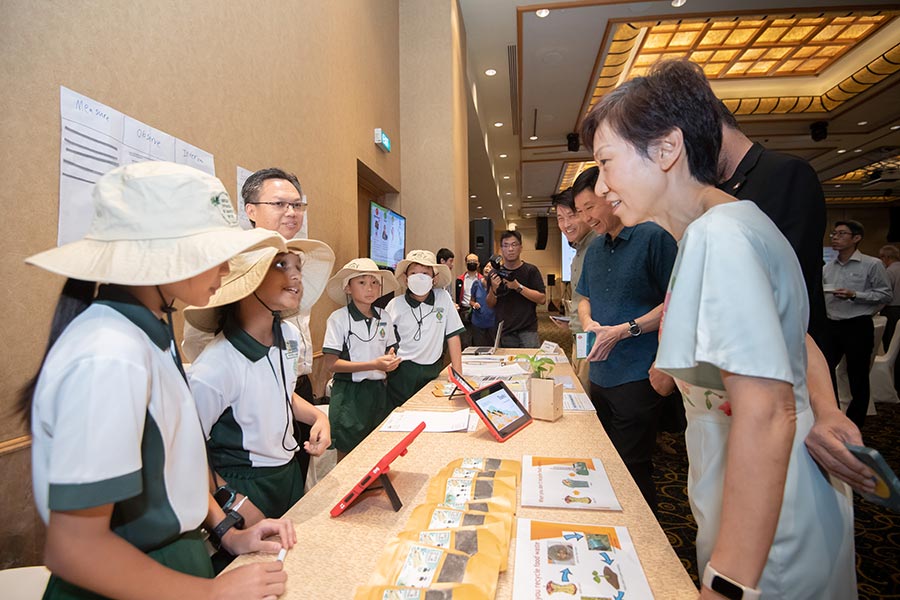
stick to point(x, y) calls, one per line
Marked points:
point(496, 262)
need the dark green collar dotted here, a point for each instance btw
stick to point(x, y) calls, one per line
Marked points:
point(414, 303)
point(244, 343)
point(358, 315)
point(130, 307)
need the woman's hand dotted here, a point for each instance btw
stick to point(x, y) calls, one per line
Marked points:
point(252, 539)
point(825, 443)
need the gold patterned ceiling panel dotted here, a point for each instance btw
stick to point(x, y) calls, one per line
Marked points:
point(571, 171)
point(729, 47)
point(865, 173)
point(752, 47)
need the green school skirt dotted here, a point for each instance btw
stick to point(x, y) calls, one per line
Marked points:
point(187, 554)
point(355, 410)
point(410, 377)
point(273, 490)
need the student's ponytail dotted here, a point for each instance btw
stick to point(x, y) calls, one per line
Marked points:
point(75, 296)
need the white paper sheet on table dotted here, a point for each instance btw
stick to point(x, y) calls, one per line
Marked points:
point(435, 421)
point(579, 483)
point(562, 560)
point(577, 402)
point(565, 380)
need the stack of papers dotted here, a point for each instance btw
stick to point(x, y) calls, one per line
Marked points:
point(435, 421)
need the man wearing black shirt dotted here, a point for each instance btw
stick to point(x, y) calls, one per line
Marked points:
point(787, 189)
point(515, 298)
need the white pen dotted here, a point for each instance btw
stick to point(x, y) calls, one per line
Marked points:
point(281, 554)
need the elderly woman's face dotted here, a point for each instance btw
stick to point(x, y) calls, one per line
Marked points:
point(627, 179)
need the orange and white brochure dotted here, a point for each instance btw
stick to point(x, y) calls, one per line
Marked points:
point(567, 483)
point(578, 562)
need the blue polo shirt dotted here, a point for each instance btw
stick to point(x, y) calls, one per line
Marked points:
point(625, 278)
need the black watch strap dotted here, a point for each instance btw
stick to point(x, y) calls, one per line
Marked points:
point(232, 519)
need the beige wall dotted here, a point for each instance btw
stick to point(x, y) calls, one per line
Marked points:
point(299, 85)
point(434, 166)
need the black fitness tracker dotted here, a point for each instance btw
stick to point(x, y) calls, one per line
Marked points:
point(225, 497)
point(232, 519)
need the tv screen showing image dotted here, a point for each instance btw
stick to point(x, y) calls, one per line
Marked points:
point(387, 236)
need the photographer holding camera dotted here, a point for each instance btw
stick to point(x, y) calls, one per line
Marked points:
point(515, 289)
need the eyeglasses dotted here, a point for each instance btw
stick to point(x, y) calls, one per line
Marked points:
point(839, 233)
point(283, 206)
point(510, 246)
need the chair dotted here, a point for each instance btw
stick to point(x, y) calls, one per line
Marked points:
point(881, 377)
point(24, 583)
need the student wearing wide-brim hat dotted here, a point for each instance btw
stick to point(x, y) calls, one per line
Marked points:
point(243, 381)
point(425, 318)
point(360, 350)
point(118, 462)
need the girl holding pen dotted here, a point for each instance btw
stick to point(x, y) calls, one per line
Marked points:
point(119, 467)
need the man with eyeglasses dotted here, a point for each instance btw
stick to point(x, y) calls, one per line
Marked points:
point(515, 293)
point(856, 286)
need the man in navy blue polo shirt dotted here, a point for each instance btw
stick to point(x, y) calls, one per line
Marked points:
point(623, 283)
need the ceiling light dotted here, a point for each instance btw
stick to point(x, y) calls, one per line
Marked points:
point(490, 72)
point(509, 205)
point(503, 156)
point(478, 207)
point(838, 185)
point(842, 150)
point(533, 138)
point(506, 177)
point(509, 193)
point(678, 3)
point(858, 150)
point(529, 197)
point(534, 128)
point(473, 196)
point(542, 13)
point(861, 123)
point(484, 217)
point(527, 214)
point(498, 124)
point(895, 127)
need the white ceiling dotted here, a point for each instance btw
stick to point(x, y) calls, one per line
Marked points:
point(558, 58)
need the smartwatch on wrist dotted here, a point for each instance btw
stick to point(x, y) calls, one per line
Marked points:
point(727, 587)
point(225, 497)
point(634, 329)
point(232, 519)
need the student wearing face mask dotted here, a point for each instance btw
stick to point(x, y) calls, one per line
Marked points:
point(424, 318)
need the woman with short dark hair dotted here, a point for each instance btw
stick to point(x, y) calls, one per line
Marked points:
point(734, 339)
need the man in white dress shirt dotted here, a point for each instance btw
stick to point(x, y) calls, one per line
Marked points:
point(856, 286)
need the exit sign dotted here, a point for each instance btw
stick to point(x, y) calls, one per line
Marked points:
point(382, 140)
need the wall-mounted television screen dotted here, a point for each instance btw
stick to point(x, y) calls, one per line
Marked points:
point(387, 236)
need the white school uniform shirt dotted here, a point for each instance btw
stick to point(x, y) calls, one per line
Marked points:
point(113, 422)
point(236, 384)
point(352, 336)
point(195, 341)
point(422, 327)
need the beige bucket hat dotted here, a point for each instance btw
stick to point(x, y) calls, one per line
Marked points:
point(355, 268)
point(248, 271)
point(442, 274)
point(155, 223)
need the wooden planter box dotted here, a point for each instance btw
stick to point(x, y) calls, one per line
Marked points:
point(545, 397)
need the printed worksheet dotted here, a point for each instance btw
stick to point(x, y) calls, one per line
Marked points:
point(567, 483)
point(579, 562)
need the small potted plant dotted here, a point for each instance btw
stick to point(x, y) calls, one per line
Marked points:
point(544, 394)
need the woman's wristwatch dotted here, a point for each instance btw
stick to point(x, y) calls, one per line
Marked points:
point(727, 587)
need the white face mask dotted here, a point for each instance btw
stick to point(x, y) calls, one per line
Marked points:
point(420, 283)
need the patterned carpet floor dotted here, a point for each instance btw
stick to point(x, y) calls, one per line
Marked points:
point(877, 528)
